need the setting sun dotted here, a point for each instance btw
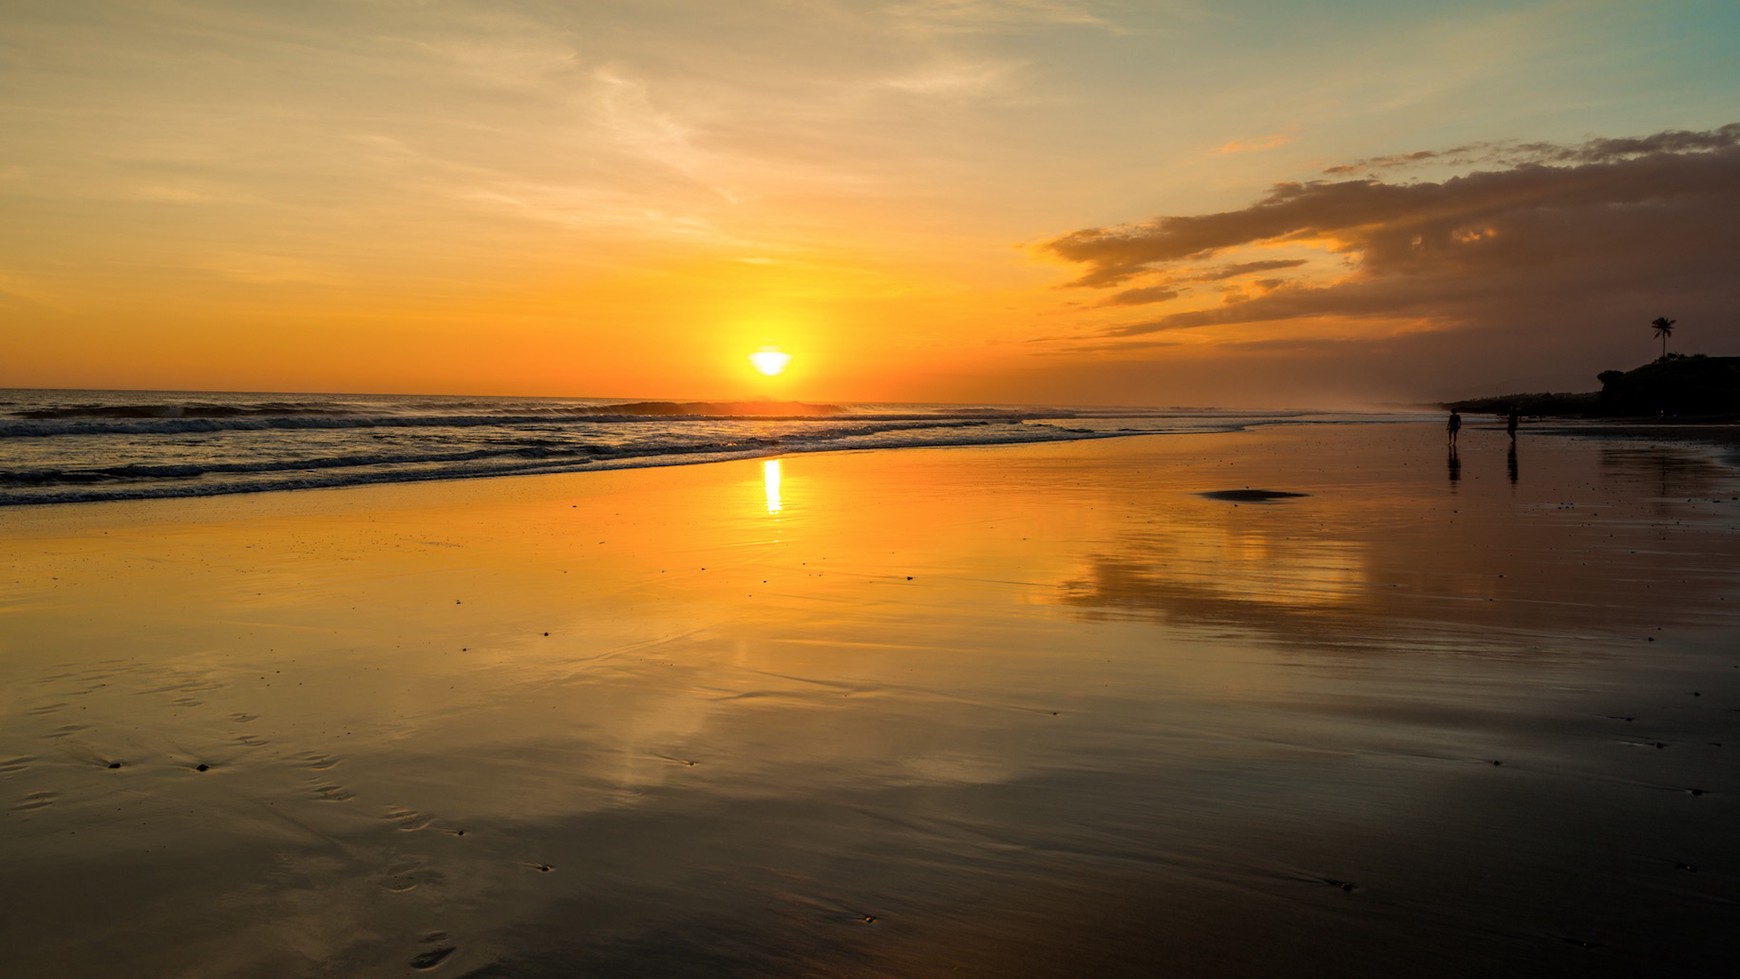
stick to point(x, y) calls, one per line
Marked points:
point(770, 361)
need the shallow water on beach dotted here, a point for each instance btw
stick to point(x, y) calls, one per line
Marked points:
point(1038, 710)
point(87, 446)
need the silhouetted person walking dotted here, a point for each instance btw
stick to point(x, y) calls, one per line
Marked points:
point(1510, 423)
point(1453, 426)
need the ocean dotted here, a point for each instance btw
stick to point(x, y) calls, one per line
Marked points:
point(82, 446)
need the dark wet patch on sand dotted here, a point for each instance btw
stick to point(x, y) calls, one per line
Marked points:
point(1248, 495)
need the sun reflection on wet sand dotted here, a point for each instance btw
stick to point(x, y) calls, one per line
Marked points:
point(770, 481)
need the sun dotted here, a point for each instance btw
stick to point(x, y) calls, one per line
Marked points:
point(770, 361)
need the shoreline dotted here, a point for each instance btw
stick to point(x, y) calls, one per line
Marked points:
point(1723, 436)
point(661, 462)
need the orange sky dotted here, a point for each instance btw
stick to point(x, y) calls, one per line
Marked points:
point(959, 200)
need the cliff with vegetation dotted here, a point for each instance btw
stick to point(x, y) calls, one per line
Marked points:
point(1694, 388)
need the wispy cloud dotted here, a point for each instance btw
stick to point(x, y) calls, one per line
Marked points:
point(20, 290)
point(1270, 142)
point(513, 56)
point(1248, 268)
point(265, 269)
point(956, 78)
point(625, 109)
point(992, 15)
point(1138, 297)
point(175, 195)
point(1512, 153)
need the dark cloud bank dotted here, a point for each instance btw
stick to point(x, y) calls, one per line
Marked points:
point(1538, 273)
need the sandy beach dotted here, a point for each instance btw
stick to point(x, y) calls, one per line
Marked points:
point(1032, 710)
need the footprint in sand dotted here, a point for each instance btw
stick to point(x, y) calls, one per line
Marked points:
point(409, 820)
point(34, 801)
point(193, 685)
point(408, 876)
point(17, 764)
point(66, 729)
point(251, 741)
point(334, 793)
point(432, 958)
point(48, 708)
point(319, 762)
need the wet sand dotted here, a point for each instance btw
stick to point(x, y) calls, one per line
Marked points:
point(1084, 709)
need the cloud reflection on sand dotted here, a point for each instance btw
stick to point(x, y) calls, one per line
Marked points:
point(1385, 562)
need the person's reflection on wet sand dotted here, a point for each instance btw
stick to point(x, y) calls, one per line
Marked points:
point(1510, 461)
point(1455, 465)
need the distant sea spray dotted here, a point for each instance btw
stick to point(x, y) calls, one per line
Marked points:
point(82, 446)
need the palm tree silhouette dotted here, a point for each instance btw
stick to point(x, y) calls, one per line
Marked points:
point(1664, 328)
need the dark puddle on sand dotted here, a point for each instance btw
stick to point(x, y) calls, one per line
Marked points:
point(1067, 717)
point(1252, 495)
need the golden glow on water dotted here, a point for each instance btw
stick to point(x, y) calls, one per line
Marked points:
point(770, 480)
